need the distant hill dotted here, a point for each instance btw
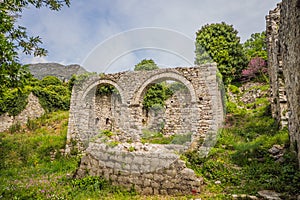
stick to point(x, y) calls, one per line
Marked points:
point(64, 73)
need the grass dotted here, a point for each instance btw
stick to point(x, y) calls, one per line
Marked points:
point(33, 167)
point(240, 160)
point(159, 138)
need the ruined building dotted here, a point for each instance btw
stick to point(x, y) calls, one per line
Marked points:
point(283, 38)
point(109, 128)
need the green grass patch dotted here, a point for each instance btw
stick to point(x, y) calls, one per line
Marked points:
point(160, 138)
point(32, 165)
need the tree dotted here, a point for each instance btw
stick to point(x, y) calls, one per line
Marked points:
point(256, 46)
point(256, 70)
point(221, 43)
point(14, 38)
point(158, 92)
point(146, 65)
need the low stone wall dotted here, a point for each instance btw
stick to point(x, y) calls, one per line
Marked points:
point(151, 169)
point(32, 110)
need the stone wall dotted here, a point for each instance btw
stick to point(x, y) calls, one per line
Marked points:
point(107, 107)
point(278, 93)
point(172, 118)
point(205, 111)
point(32, 110)
point(283, 36)
point(155, 170)
point(121, 155)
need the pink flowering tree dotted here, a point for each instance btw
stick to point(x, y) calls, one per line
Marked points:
point(256, 70)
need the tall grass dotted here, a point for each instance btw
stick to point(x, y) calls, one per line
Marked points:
point(240, 160)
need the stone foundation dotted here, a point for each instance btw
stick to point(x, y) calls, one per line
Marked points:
point(151, 170)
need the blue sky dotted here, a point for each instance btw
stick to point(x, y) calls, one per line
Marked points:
point(114, 35)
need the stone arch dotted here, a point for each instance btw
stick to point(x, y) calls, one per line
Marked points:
point(163, 77)
point(95, 83)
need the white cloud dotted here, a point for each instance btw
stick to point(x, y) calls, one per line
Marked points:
point(70, 34)
point(33, 60)
point(118, 50)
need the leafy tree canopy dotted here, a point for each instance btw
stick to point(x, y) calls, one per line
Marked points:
point(146, 65)
point(221, 43)
point(256, 46)
point(14, 39)
point(158, 92)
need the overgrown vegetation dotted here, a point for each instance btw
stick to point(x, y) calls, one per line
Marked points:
point(33, 165)
point(32, 162)
point(53, 95)
point(159, 138)
point(240, 162)
point(14, 40)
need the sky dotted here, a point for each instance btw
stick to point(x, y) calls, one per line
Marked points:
point(114, 35)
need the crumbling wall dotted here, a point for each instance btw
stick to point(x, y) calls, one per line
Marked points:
point(283, 34)
point(150, 169)
point(171, 119)
point(121, 155)
point(32, 110)
point(107, 111)
point(278, 93)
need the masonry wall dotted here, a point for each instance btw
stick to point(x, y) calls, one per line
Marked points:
point(278, 92)
point(107, 111)
point(205, 111)
point(122, 156)
point(32, 110)
point(153, 170)
point(283, 34)
point(171, 119)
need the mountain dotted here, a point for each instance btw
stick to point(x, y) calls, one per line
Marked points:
point(40, 70)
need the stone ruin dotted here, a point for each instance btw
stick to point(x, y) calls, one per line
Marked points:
point(108, 129)
point(283, 45)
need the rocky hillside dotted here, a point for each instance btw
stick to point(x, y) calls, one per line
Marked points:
point(64, 73)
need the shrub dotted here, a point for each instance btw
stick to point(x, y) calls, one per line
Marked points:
point(156, 95)
point(257, 68)
point(14, 101)
point(53, 97)
point(107, 133)
point(50, 80)
point(182, 138)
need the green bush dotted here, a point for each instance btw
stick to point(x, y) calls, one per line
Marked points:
point(181, 138)
point(50, 80)
point(52, 93)
point(157, 94)
point(53, 97)
point(107, 133)
point(234, 89)
point(155, 138)
point(14, 101)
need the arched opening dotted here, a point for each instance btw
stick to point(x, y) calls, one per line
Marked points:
point(167, 103)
